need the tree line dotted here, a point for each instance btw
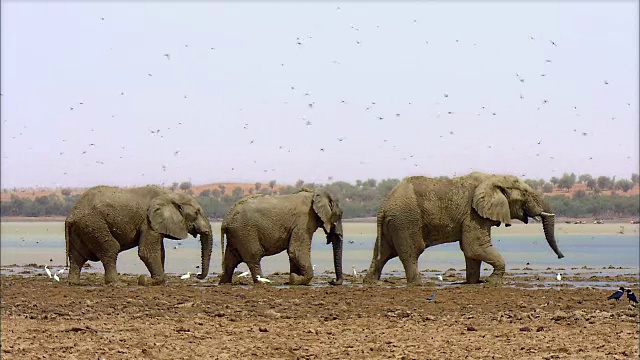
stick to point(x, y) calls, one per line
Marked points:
point(363, 198)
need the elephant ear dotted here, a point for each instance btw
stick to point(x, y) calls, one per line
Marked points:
point(491, 203)
point(165, 217)
point(322, 207)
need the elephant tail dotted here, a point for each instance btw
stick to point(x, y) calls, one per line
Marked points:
point(379, 221)
point(67, 229)
point(222, 233)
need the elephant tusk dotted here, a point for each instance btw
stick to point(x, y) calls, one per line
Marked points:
point(546, 214)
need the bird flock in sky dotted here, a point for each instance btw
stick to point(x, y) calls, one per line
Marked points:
point(369, 110)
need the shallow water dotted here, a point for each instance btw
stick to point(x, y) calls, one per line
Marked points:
point(39, 242)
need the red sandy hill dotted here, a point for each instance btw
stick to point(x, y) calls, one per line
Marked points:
point(31, 193)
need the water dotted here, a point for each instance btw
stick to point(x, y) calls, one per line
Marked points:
point(38, 242)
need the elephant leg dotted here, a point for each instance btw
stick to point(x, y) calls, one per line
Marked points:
point(409, 245)
point(380, 257)
point(477, 248)
point(150, 252)
point(162, 253)
point(231, 261)
point(300, 259)
point(76, 262)
point(473, 270)
point(256, 270)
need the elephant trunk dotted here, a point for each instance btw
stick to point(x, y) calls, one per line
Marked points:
point(548, 223)
point(206, 244)
point(336, 242)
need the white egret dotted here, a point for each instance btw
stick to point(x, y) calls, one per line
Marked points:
point(48, 271)
point(55, 277)
point(263, 280)
point(558, 277)
point(355, 273)
point(244, 274)
point(186, 276)
point(440, 278)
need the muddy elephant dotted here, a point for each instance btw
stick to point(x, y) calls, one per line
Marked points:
point(260, 225)
point(421, 212)
point(107, 220)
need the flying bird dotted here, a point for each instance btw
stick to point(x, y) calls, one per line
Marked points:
point(631, 296)
point(553, 43)
point(617, 295)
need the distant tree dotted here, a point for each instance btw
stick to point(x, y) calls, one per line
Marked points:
point(579, 194)
point(185, 186)
point(591, 184)
point(258, 186)
point(222, 189)
point(65, 192)
point(358, 183)
point(547, 188)
point(584, 178)
point(215, 193)
point(532, 183)
point(567, 181)
point(272, 184)
point(624, 185)
point(205, 193)
point(634, 178)
point(612, 184)
point(442, 178)
point(237, 192)
point(251, 191)
point(299, 183)
point(174, 186)
point(603, 182)
point(189, 191)
point(554, 180)
point(370, 183)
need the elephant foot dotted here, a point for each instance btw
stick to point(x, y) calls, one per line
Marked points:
point(494, 279)
point(369, 280)
point(144, 280)
point(295, 279)
point(335, 282)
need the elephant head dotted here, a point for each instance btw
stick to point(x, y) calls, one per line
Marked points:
point(176, 215)
point(504, 197)
point(330, 219)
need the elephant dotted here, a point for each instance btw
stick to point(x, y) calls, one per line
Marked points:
point(107, 220)
point(420, 212)
point(260, 225)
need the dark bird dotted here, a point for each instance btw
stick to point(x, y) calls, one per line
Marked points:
point(167, 56)
point(71, 107)
point(149, 74)
point(553, 43)
point(631, 296)
point(539, 142)
point(521, 96)
point(340, 138)
point(322, 149)
point(584, 134)
point(606, 82)
point(617, 295)
point(547, 61)
point(397, 115)
point(430, 298)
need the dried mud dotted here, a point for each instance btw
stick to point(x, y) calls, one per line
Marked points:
point(43, 319)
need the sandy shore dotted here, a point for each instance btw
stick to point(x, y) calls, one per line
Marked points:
point(192, 319)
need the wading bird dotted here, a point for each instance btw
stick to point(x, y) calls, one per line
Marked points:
point(46, 269)
point(263, 280)
point(558, 277)
point(186, 276)
point(244, 274)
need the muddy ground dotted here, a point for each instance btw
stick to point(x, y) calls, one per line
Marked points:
point(192, 319)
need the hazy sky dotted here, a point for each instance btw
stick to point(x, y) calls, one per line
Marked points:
point(376, 74)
